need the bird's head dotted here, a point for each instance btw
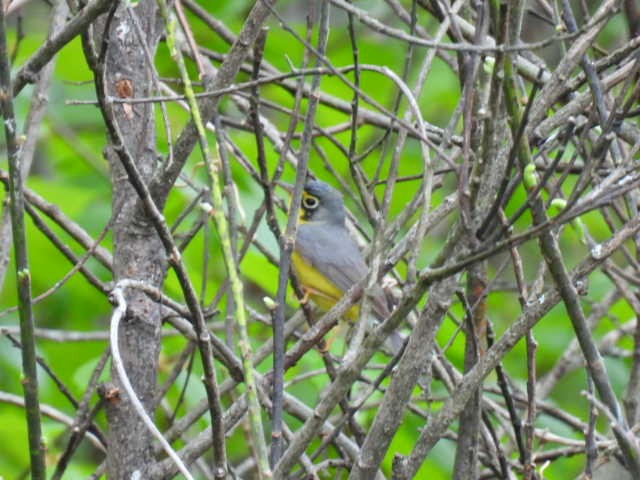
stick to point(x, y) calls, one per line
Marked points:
point(321, 203)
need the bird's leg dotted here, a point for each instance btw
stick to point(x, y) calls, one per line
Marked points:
point(305, 297)
point(334, 334)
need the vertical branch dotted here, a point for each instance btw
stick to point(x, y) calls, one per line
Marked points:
point(529, 429)
point(631, 397)
point(114, 51)
point(590, 440)
point(213, 170)
point(523, 297)
point(287, 242)
point(23, 273)
point(476, 187)
point(467, 449)
point(217, 427)
point(277, 313)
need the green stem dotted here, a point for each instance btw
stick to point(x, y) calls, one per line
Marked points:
point(213, 170)
point(25, 311)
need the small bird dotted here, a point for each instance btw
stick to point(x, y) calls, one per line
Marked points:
point(325, 258)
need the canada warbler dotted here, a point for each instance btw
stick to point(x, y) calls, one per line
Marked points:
point(325, 258)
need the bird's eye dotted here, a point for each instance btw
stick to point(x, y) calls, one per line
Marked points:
point(310, 203)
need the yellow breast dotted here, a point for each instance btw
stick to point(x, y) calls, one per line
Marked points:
point(324, 293)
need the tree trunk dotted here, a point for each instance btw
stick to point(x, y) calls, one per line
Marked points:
point(138, 252)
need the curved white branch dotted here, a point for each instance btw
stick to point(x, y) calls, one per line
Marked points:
point(118, 312)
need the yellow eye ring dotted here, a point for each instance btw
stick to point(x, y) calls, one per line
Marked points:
point(310, 203)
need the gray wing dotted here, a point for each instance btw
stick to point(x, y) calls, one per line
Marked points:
point(335, 254)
